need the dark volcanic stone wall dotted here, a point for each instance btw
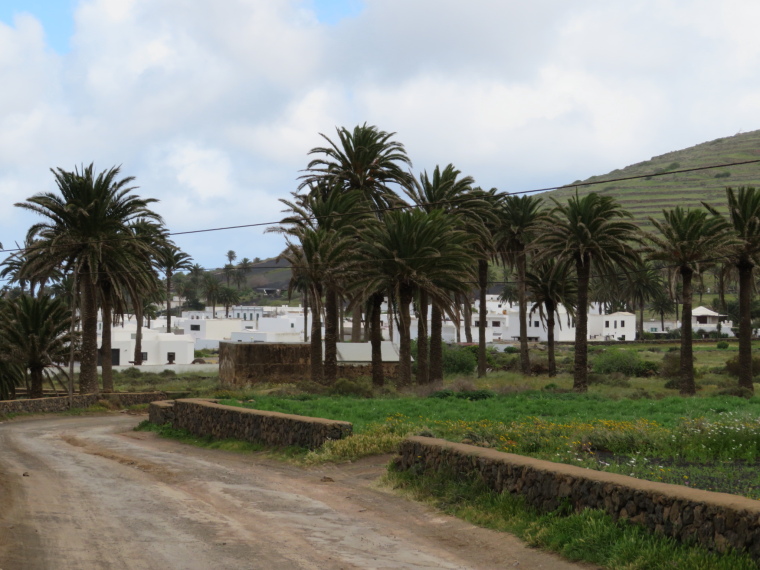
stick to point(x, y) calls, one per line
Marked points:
point(716, 520)
point(207, 418)
point(246, 363)
point(40, 405)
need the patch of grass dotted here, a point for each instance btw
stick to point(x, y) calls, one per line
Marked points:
point(589, 536)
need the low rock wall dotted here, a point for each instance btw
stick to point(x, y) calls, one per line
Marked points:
point(715, 520)
point(40, 405)
point(207, 418)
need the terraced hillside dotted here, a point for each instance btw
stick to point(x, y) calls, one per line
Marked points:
point(662, 188)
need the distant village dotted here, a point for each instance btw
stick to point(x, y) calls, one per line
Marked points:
point(199, 330)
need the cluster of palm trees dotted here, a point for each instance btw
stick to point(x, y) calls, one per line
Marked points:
point(354, 243)
point(99, 247)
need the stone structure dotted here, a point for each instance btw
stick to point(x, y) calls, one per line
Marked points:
point(245, 363)
point(715, 520)
point(40, 405)
point(208, 418)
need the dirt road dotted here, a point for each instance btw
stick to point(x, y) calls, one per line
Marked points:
point(89, 493)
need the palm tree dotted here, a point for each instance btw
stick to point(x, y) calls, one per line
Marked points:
point(84, 221)
point(643, 284)
point(409, 251)
point(551, 284)
point(445, 191)
point(171, 260)
point(211, 290)
point(663, 305)
point(34, 335)
point(519, 217)
point(365, 159)
point(231, 256)
point(744, 216)
point(228, 297)
point(594, 233)
point(686, 238)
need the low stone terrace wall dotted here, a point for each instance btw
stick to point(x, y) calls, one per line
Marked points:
point(717, 521)
point(207, 418)
point(40, 405)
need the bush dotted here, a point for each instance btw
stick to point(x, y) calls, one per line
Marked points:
point(722, 345)
point(732, 365)
point(671, 364)
point(167, 374)
point(458, 360)
point(132, 372)
point(512, 350)
point(345, 387)
point(623, 361)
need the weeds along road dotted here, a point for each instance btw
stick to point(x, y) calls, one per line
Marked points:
point(89, 493)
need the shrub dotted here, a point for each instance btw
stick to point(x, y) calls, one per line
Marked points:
point(671, 364)
point(732, 365)
point(167, 374)
point(722, 345)
point(512, 350)
point(458, 360)
point(627, 362)
point(346, 387)
point(131, 372)
point(738, 391)
point(539, 366)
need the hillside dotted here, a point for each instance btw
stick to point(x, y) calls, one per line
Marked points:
point(649, 195)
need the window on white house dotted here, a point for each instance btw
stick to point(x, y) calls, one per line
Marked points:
point(195, 327)
point(536, 323)
point(496, 323)
point(144, 355)
point(170, 356)
point(622, 324)
point(615, 324)
point(606, 324)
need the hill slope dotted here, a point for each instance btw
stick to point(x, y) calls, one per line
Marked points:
point(649, 195)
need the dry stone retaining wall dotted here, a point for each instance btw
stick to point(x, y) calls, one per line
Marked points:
point(40, 405)
point(207, 418)
point(716, 520)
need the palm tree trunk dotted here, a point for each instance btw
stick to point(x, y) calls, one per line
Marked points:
point(341, 321)
point(423, 362)
point(405, 352)
point(550, 310)
point(458, 319)
point(641, 319)
point(106, 365)
point(316, 344)
point(138, 334)
point(168, 301)
point(356, 324)
point(482, 316)
point(745, 325)
point(88, 371)
point(305, 318)
point(436, 343)
point(523, 310)
point(688, 387)
point(467, 320)
point(331, 335)
point(35, 390)
point(580, 369)
point(376, 339)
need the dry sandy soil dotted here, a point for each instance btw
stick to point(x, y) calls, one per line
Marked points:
point(89, 493)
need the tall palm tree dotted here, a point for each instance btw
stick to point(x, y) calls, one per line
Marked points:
point(365, 159)
point(744, 217)
point(519, 218)
point(551, 284)
point(686, 238)
point(34, 334)
point(593, 232)
point(228, 297)
point(211, 289)
point(446, 191)
point(83, 222)
point(663, 305)
point(172, 259)
point(409, 251)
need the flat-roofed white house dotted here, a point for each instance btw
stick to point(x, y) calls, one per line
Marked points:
point(614, 326)
point(157, 347)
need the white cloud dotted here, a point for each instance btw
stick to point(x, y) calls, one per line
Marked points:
point(214, 106)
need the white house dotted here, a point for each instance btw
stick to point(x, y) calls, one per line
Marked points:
point(614, 326)
point(157, 347)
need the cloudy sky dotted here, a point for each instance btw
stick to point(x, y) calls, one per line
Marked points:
point(213, 106)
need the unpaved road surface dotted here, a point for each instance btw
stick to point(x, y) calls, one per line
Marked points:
point(89, 493)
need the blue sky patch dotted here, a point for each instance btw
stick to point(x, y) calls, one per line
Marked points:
point(333, 11)
point(56, 17)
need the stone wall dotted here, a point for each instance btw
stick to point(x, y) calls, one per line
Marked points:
point(40, 405)
point(715, 520)
point(207, 418)
point(246, 363)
